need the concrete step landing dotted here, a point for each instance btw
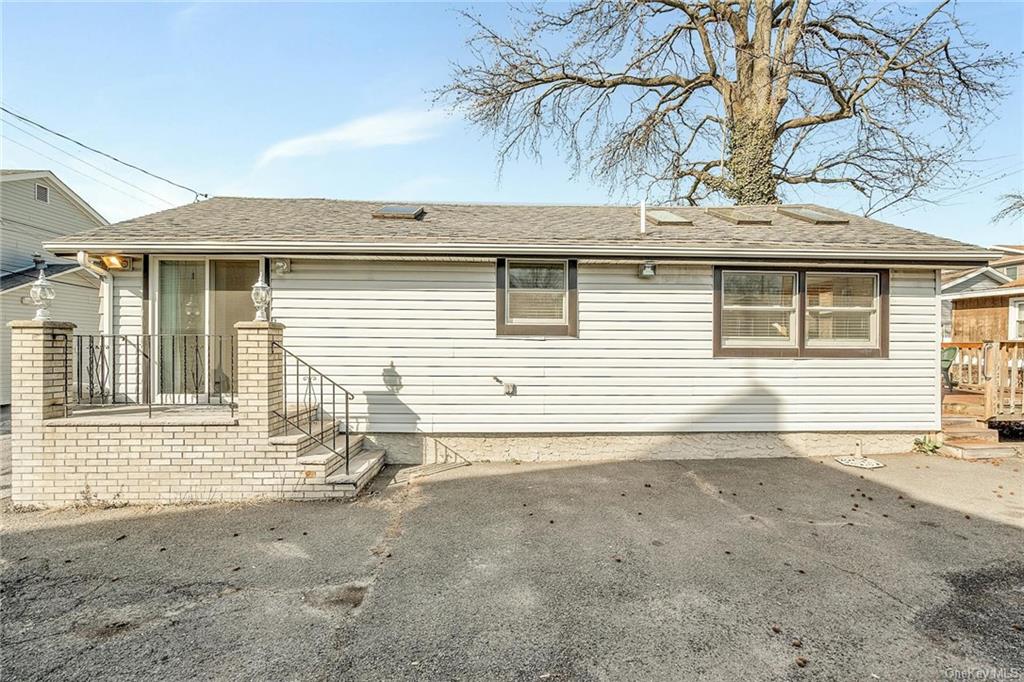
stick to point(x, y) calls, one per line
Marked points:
point(975, 448)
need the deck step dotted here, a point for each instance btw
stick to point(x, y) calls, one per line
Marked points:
point(975, 448)
point(971, 409)
point(362, 468)
point(955, 420)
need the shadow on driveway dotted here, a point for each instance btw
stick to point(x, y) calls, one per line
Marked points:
point(642, 570)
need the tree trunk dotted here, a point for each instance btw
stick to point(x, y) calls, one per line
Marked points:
point(749, 161)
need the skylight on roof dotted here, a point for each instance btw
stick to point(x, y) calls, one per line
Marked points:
point(810, 215)
point(395, 212)
point(738, 216)
point(662, 217)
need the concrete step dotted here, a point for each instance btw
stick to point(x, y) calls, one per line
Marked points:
point(973, 433)
point(300, 410)
point(362, 468)
point(975, 448)
point(322, 456)
point(294, 436)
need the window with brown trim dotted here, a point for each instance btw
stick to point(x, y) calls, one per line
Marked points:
point(536, 297)
point(793, 312)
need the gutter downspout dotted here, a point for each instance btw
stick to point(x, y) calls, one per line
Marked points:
point(106, 289)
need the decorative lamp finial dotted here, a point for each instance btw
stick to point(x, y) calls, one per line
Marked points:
point(42, 294)
point(261, 299)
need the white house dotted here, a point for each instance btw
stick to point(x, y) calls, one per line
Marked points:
point(557, 331)
point(35, 206)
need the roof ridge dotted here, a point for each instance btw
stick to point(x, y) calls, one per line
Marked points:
point(526, 204)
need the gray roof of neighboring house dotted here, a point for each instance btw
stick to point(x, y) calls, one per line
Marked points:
point(323, 225)
point(10, 280)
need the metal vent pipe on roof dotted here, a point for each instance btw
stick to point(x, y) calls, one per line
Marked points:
point(643, 217)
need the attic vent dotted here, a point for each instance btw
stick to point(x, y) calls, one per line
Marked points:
point(399, 212)
point(738, 216)
point(43, 194)
point(659, 217)
point(810, 215)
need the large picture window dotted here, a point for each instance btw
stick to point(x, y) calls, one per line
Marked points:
point(800, 313)
point(536, 297)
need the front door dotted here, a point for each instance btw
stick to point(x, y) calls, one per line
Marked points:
point(198, 303)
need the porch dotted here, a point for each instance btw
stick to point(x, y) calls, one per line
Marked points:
point(987, 375)
point(163, 419)
point(982, 396)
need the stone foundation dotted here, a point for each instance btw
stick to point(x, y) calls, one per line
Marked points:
point(417, 448)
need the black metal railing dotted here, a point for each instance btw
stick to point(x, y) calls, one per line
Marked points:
point(316, 400)
point(151, 369)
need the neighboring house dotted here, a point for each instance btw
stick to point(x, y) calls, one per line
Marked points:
point(964, 280)
point(35, 207)
point(995, 314)
point(986, 304)
point(536, 322)
point(1011, 263)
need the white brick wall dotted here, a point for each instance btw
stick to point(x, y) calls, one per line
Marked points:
point(58, 460)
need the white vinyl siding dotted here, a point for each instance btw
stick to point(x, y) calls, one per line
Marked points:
point(642, 362)
point(28, 222)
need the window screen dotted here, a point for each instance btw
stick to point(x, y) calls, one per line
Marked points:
point(758, 308)
point(842, 310)
point(537, 292)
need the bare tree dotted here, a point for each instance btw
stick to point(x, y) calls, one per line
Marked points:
point(1013, 208)
point(735, 98)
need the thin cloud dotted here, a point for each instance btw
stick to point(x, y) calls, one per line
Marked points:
point(378, 130)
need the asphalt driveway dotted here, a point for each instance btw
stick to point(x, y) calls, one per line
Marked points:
point(754, 569)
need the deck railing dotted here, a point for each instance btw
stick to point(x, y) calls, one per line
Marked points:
point(968, 369)
point(1004, 387)
point(150, 369)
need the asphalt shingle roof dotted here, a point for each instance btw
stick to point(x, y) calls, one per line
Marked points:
point(9, 280)
point(235, 220)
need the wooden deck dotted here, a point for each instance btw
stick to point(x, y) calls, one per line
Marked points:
point(989, 380)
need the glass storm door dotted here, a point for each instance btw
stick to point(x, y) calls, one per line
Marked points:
point(230, 302)
point(198, 303)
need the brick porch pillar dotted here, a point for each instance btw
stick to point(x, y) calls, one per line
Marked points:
point(42, 369)
point(260, 389)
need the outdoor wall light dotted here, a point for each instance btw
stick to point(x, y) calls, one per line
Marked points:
point(42, 294)
point(117, 262)
point(261, 299)
point(647, 270)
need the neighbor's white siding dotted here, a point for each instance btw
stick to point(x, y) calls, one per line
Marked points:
point(27, 222)
point(416, 343)
point(77, 301)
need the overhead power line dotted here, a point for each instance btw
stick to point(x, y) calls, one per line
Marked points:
point(197, 193)
point(87, 163)
point(75, 170)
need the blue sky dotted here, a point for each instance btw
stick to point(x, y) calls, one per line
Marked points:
point(332, 100)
